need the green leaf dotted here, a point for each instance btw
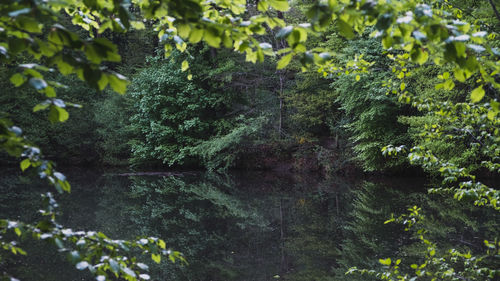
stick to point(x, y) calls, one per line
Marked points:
point(477, 94)
point(57, 114)
point(495, 105)
point(345, 29)
point(93, 54)
point(422, 58)
point(41, 106)
point(137, 25)
point(459, 74)
point(387, 42)
point(183, 30)
point(115, 267)
point(82, 265)
point(142, 266)
point(63, 114)
point(103, 82)
point(53, 114)
point(106, 49)
point(227, 41)
point(64, 67)
point(59, 243)
point(491, 114)
point(450, 53)
point(129, 272)
point(449, 85)
point(280, 5)
point(38, 83)
point(284, 61)
point(300, 48)
point(74, 256)
point(19, 12)
point(162, 244)
point(156, 258)
point(460, 48)
point(185, 65)
point(387, 261)
point(118, 83)
point(50, 92)
point(29, 24)
point(284, 32)
point(212, 38)
point(262, 6)
point(389, 220)
point(195, 35)
point(17, 79)
point(25, 164)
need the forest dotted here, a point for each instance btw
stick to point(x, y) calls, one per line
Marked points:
point(249, 140)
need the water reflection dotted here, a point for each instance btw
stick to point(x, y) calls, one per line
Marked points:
point(243, 226)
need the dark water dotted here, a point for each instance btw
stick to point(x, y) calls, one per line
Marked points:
point(242, 226)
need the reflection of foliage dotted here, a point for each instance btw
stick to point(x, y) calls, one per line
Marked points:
point(229, 226)
point(312, 243)
point(436, 264)
point(207, 223)
point(451, 247)
point(91, 251)
point(365, 235)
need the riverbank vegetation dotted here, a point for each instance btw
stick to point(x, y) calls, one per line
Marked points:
point(332, 87)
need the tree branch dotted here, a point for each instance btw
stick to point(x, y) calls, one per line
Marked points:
point(494, 9)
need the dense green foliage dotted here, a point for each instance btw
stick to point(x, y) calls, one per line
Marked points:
point(185, 122)
point(171, 114)
point(368, 109)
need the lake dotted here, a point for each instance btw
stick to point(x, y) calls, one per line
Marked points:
point(243, 225)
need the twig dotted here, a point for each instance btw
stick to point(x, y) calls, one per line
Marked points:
point(494, 9)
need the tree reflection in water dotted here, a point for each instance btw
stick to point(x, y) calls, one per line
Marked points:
point(247, 225)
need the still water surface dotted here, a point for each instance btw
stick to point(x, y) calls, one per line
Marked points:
point(241, 226)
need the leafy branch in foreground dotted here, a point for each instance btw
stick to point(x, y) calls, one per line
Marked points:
point(436, 264)
point(469, 124)
point(417, 35)
point(89, 250)
point(15, 144)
